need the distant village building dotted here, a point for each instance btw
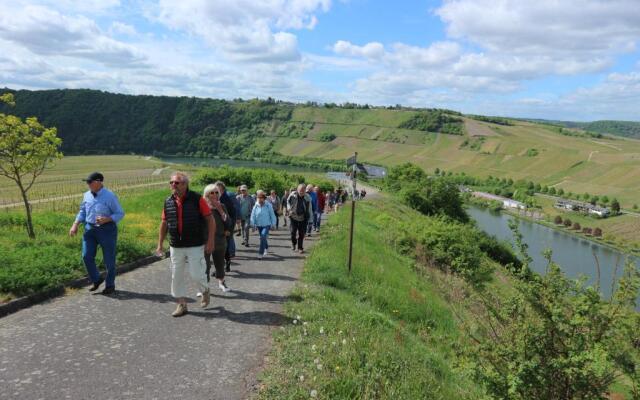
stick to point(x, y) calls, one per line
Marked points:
point(506, 202)
point(580, 206)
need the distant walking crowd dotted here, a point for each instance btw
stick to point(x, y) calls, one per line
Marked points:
point(200, 228)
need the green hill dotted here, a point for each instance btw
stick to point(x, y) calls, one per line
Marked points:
point(93, 122)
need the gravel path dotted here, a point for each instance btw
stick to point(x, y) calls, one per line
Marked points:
point(128, 346)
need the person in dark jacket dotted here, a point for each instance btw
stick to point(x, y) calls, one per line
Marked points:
point(231, 206)
point(186, 216)
point(299, 206)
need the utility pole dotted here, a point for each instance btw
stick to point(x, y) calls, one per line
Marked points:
point(353, 162)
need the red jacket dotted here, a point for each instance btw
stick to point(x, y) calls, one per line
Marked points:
point(321, 201)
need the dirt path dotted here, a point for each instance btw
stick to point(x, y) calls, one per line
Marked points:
point(128, 346)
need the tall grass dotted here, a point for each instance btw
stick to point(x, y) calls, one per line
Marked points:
point(382, 332)
point(53, 258)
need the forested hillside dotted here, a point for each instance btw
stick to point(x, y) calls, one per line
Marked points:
point(96, 122)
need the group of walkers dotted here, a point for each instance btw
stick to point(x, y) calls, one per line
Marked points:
point(200, 229)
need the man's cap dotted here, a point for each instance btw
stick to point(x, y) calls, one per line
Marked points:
point(95, 176)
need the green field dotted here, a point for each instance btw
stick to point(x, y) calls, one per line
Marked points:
point(65, 179)
point(603, 166)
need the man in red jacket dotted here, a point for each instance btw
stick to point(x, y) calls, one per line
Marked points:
point(321, 204)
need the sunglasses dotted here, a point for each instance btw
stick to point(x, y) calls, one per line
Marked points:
point(216, 193)
point(175, 182)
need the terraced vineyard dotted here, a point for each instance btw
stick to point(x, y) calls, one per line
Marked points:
point(603, 166)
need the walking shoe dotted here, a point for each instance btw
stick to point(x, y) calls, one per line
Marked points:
point(301, 251)
point(96, 285)
point(266, 253)
point(259, 256)
point(223, 286)
point(293, 247)
point(181, 310)
point(227, 268)
point(205, 299)
point(108, 290)
point(199, 294)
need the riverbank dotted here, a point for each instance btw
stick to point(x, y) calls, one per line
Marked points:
point(544, 219)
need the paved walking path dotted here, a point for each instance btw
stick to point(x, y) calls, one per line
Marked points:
point(128, 346)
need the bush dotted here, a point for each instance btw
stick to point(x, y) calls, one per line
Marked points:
point(326, 137)
point(567, 222)
point(597, 232)
point(557, 220)
point(576, 226)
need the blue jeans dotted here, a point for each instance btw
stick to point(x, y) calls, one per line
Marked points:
point(105, 236)
point(264, 235)
point(317, 217)
point(231, 245)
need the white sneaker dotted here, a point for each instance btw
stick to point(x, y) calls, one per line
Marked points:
point(266, 253)
point(199, 294)
point(223, 286)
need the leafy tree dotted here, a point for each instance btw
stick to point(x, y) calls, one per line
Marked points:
point(26, 149)
point(555, 338)
point(561, 192)
point(557, 220)
point(594, 200)
point(567, 222)
point(604, 200)
point(615, 206)
point(552, 191)
point(635, 206)
point(576, 226)
point(597, 232)
point(404, 173)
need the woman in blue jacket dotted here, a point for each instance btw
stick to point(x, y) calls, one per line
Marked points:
point(262, 218)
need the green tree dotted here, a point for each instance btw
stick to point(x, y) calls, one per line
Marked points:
point(26, 149)
point(615, 206)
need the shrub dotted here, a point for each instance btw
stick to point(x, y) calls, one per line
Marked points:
point(576, 226)
point(557, 220)
point(567, 222)
point(326, 137)
point(597, 232)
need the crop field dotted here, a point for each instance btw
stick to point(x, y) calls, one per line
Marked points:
point(60, 187)
point(541, 153)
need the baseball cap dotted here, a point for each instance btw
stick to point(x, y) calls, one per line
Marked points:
point(94, 176)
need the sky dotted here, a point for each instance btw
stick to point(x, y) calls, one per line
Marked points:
point(553, 59)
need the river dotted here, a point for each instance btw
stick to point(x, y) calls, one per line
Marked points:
point(574, 254)
point(216, 162)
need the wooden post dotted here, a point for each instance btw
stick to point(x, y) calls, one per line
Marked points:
point(353, 208)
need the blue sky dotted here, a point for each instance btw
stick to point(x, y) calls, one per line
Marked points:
point(569, 60)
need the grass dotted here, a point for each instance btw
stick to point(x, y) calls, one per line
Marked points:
point(54, 258)
point(382, 332)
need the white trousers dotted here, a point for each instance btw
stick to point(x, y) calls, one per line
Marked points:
point(193, 259)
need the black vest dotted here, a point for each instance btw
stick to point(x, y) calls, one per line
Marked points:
point(193, 224)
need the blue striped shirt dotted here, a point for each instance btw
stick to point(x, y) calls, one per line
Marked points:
point(105, 203)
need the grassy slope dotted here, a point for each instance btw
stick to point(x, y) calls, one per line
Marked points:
point(598, 166)
point(383, 332)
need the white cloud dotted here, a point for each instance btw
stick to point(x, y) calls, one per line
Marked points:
point(120, 28)
point(583, 29)
point(47, 32)
point(244, 30)
point(372, 50)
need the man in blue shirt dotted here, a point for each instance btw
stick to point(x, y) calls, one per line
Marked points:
point(100, 211)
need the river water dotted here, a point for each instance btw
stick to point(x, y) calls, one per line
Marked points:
point(575, 255)
point(217, 162)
